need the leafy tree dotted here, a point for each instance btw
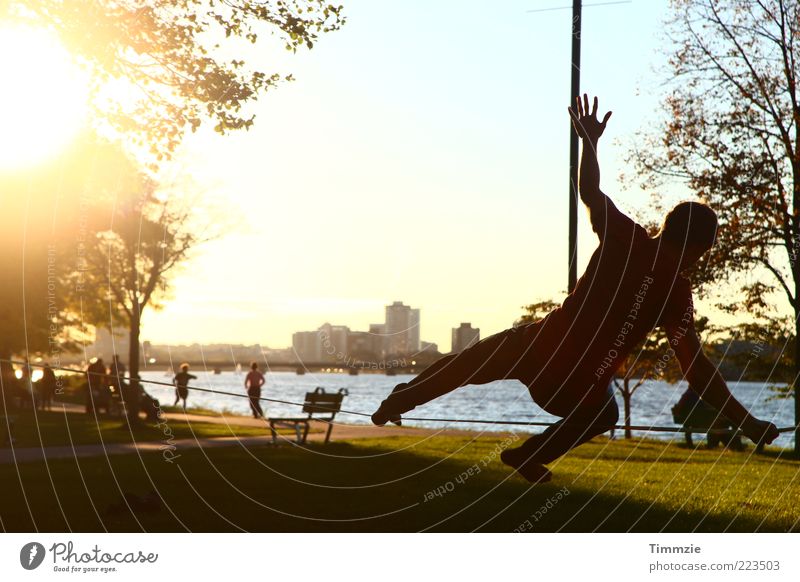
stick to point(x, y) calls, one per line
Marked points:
point(647, 361)
point(536, 311)
point(180, 64)
point(765, 354)
point(129, 261)
point(652, 359)
point(730, 133)
point(174, 57)
point(45, 218)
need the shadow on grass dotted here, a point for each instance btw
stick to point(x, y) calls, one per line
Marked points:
point(369, 486)
point(50, 428)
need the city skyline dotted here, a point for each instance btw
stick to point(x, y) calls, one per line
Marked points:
point(399, 334)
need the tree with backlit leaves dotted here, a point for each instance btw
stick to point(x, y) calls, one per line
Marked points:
point(182, 62)
point(730, 132)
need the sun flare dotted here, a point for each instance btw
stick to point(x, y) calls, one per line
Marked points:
point(42, 100)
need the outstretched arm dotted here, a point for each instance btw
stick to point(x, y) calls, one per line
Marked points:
point(704, 377)
point(603, 214)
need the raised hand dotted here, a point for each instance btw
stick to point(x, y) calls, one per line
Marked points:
point(586, 124)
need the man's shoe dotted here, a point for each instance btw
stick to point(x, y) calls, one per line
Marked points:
point(532, 471)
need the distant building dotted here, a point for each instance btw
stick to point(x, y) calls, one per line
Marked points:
point(377, 331)
point(414, 343)
point(429, 347)
point(328, 344)
point(307, 346)
point(464, 336)
point(360, 346)
point(402, 329)
point(333, 342)
point(277, 354)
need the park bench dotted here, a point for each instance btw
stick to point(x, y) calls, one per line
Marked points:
point(7, 430)
point(702, 418)
point(318, 406)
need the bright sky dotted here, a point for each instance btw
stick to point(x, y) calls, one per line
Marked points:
point(422, 156)
point(35, 126)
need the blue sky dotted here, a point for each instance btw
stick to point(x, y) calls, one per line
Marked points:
point(421, 155)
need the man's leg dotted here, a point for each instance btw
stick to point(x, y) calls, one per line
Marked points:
point(493, 358)
point(575, 429)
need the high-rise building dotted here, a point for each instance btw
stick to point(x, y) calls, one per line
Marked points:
point(307, 346)
point(402, 329)
point(414, 343)
point(464, 336)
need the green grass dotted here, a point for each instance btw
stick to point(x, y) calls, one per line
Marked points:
point(60, 428)
point(385, 485)
point(199, 411)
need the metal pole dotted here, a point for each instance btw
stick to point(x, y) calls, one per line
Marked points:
point(573, 147)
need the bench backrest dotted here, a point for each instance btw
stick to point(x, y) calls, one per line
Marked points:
point(321, 402)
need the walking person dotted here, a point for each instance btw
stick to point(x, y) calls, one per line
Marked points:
point(254, 381)
point(47, 388)
point(181, 381)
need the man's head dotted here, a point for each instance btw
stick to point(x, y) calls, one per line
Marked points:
point(689, 230)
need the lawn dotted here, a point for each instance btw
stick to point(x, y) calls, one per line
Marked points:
point(35, 429)
point(443, 483)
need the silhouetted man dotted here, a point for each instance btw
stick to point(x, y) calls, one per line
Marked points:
point(632, 284)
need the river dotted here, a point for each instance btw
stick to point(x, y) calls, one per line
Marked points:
point(502, 400)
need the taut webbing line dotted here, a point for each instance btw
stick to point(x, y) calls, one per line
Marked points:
point(641, 428)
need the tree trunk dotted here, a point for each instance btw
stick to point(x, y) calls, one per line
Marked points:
point(132, 403)
point(796, 383)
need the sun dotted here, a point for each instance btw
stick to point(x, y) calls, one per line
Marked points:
point(42, 98)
